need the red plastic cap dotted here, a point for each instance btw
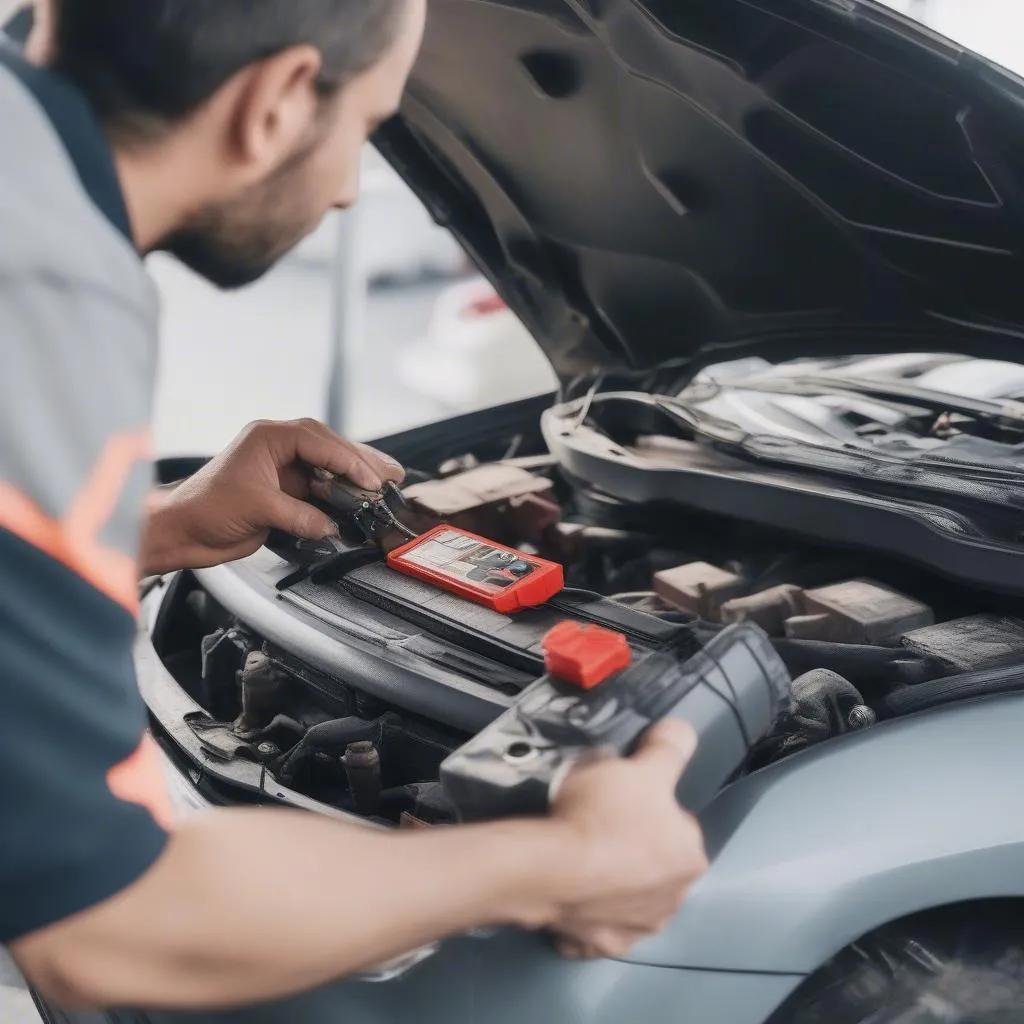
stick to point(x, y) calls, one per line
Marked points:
point(585, 655)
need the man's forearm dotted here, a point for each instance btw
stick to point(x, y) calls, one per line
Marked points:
point(192, 932)
point(162, 549)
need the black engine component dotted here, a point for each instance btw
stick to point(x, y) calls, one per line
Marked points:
point(911, 699)
point(822, 705)
point(426, 801)
point(223, 655)
point(731, 692)
point(361, 762)
point(872, 669)
point(330, 737)
point(262, 684)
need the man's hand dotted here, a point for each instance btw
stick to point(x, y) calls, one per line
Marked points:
point(228, 508)
point(638, 852)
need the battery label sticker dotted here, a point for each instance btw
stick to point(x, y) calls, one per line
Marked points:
point(488, 568)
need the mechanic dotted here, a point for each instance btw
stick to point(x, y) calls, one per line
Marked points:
point(219, 132)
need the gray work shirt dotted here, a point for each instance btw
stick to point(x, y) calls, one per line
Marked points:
point(82, 809)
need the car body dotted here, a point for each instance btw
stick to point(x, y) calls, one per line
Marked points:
point(772, 251)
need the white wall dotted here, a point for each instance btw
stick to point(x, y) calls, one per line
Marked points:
point(993, 28)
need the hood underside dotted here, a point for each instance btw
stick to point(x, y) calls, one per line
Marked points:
point(681, 181)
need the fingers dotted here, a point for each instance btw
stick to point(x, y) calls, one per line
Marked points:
point(316, 445)
point(667, 748)
point(384, 465)
point(298, 518)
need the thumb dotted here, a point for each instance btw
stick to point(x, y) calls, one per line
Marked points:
point(667, 747)
point(299, 518)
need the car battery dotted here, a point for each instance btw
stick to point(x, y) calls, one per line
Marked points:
point(601, 695)
point(490, 599)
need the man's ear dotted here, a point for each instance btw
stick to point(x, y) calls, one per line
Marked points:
point(275, 109)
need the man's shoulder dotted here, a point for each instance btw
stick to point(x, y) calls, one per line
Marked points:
point(48, 224)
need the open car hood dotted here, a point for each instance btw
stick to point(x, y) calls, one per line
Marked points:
point(669, 183)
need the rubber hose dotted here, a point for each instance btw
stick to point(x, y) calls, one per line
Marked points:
point(865, 666)
point(332, 736)
point(905, 701)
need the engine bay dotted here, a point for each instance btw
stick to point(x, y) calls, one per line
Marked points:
point(865, 637)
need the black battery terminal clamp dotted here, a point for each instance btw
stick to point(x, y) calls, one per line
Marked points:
point(599, 695)
point(371, 514)
point(368, 525)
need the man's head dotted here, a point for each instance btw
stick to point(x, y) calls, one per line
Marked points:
point(246, 118)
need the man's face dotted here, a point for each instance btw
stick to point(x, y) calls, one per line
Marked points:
point(235, 241)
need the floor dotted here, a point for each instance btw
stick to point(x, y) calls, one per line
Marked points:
point(15, 1005)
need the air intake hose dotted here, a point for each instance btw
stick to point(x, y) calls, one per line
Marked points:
point(909, 699)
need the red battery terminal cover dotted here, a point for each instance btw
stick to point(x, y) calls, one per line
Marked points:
point(585, 655)
point(500, 578)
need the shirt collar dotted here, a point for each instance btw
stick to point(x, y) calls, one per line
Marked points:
point(80, 131)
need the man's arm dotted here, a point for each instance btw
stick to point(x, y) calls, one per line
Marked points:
point(609, 866)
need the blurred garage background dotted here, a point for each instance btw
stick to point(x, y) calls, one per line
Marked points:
point(375, 322)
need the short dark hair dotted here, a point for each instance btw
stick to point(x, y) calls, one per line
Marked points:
point(146, 64)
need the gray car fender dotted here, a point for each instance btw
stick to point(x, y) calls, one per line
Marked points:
point(813, 852)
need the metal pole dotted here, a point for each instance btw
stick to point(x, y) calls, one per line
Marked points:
point(349, 295)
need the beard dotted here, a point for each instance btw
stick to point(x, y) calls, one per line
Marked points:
point(236, 242)
point(229, 261)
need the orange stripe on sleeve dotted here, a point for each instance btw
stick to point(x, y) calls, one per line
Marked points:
point(95, 502)
point(74, 539)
